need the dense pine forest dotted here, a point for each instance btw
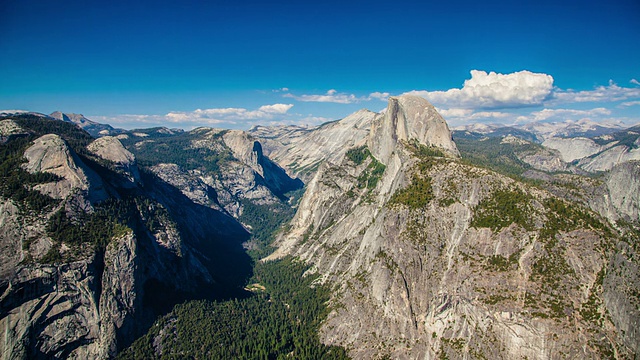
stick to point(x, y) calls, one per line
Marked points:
point(279, 320)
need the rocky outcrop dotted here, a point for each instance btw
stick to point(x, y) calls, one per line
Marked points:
point(190, 184)
point(111, 149)
point(144, 247)
point(51, 154)
point(245, 173)
point(8, 128)
point(249, 151)
point(406, 118)
point(618, 198)
point(53, 307)
point(573, 148)
point(609, 158)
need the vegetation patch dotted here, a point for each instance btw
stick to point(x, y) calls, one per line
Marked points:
point(503, 208)
point(178, 149)
point(369, 178)
point(265, 222)
point(499, 263)
point(564, 217)
point(493, 154)
point(371, 175)
point(590, 310)
point(17, 184)
point(94, 229)
point(358, 155)
point(415, 196)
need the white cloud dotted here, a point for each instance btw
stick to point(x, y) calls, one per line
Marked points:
point(457, 116)
point(635, 82)
point(612, 92)
point(564, 114)
point(223, 117)
point(455, 113)
point(630, 103)
point(276, 108)
point(333, 96)
point(494, 90)
point(218, 115)
point(384, 96)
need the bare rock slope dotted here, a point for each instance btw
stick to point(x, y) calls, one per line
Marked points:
point(432, 258)
point(82, 282)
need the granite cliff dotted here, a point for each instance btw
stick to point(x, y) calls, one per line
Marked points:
point(94, 247)
point(430, 257)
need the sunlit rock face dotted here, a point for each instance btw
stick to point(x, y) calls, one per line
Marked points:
point(429, 262)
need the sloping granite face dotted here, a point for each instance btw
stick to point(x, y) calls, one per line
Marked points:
point(111, 149)
point(50, 154)
point(536, 279)
point(92, 301)
point(300, 150)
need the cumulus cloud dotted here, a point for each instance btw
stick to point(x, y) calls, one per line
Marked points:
point(454, 113)
point(333, 96)
point(494, 90)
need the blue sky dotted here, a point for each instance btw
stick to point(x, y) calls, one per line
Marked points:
point(240, 63)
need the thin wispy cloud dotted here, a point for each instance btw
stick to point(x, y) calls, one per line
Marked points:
point(222, 117)
point(217, 115)
point(333, 96)
point(564, 114)
point(609, 93)
point(630, 103)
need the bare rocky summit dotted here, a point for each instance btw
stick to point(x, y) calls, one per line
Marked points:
point(94, 128)
point(111, 149)
point(51, 154)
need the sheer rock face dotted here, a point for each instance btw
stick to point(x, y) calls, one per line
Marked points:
point(50, 154)
point(301, 150)
point(609, 158)
point(574, 148)
point(426, 283)
point(94, 302)
point(406, 118)
point(618, 198)
point(111, 149)
point(60, 307)
point(248, 175)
